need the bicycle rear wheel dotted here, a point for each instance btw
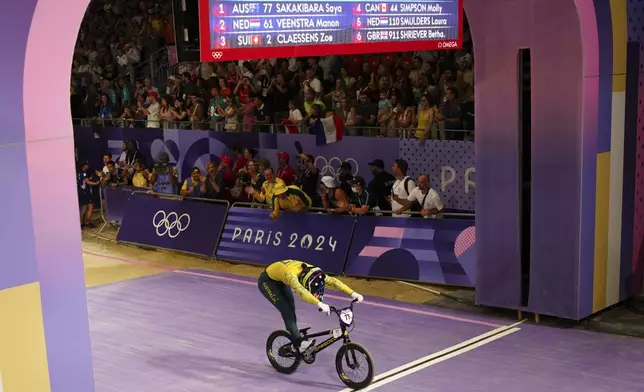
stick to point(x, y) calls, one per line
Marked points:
point(281, 353)
point(354, 365)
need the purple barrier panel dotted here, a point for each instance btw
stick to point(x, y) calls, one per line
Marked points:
point(188, 226)
point(116, 199)
point(441, 251)
point(319, 239)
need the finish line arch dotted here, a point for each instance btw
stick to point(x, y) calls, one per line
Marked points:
point(588, 172)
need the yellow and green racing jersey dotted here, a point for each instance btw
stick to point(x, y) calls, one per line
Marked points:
point(288, 271)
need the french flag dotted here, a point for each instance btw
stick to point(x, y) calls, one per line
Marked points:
point(384, 21)
point(254, 23)
point(328, 130)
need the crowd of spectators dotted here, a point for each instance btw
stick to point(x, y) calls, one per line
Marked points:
point(416, 94)
point(407, 94)
point(294, 185)
point(420, 94)
point(115, 36)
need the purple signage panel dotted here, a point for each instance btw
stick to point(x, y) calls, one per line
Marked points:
point(319, 239)
point(116, 199)
point(182, 225)
point(440, 251)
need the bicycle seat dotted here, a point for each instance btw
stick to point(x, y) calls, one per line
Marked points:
point(304, 330)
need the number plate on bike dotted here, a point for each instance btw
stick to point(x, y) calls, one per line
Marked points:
point(337, 333)
point(346, 316)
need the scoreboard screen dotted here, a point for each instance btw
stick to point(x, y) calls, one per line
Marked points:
point(247, 30)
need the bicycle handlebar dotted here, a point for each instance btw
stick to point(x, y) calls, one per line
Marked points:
point(337, 311)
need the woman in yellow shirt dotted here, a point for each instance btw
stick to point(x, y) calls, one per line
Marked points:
point(308, 282)
point(426, 118)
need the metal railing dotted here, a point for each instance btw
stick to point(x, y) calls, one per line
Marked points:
point(156, 67)
point(440, 215)
point(276, 127)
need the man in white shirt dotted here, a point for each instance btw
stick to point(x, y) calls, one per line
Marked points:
point(153, 111)
point(429, 200)
point(402, 188)
point(312, 83)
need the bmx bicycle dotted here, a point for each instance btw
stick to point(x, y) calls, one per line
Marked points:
point(285, 357)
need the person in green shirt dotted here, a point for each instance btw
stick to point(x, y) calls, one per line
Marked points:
point(216, 106)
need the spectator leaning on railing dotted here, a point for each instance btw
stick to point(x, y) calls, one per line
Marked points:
point(334, 199)
point(360, 200)
point(429, 200)
point(289, 198)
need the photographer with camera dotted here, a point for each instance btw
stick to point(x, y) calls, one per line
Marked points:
point(163, 178)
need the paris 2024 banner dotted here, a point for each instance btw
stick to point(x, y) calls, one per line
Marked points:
point(450, 164)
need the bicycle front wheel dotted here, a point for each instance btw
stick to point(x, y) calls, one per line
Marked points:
point(354, 365)
point(281, 352)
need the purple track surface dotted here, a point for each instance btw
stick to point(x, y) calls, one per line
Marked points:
point(195, 331)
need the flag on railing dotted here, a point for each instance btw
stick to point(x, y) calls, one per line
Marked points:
point(328, 129)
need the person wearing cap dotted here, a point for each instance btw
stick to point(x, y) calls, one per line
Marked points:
point(153, 110)
point(334, 198)
point(285, 171)
point(380, 186)
point(360, 200)
point(266, 193)
point(289, 198)
point(428, 199)
point(227, 173)
point(401, 189)
point(163, 178)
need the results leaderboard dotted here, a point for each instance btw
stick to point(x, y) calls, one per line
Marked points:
point(239, 24)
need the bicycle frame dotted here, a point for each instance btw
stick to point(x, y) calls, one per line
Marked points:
point(328, 342)
point(344, 334)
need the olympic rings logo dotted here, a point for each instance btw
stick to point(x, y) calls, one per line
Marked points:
point(331, 167)
point(171, 224)
point(217, 55)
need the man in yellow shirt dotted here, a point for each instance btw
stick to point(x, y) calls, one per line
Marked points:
point(308, 282)
point(266, 194)
point(290, 198)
